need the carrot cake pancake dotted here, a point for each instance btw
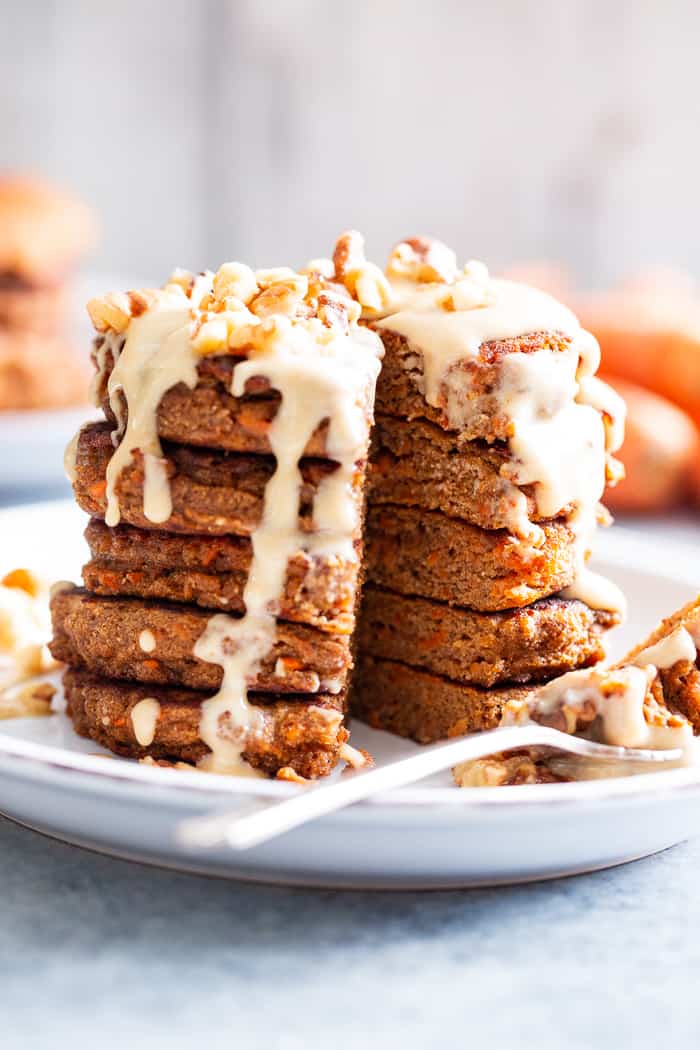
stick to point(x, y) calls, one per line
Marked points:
point(232, 489)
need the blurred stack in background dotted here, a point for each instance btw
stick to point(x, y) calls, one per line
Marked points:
point(43, 233)
point(563, 132)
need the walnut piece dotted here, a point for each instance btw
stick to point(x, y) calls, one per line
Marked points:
point(471, 290)
point(30, 701)
point(114, 311)
point(281, 297)
point(235, 280)
point(501, 770)
point(424, 260)
point(364, 280)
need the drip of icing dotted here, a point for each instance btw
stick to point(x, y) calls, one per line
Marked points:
point(69, 456)
point(446, 337)
point(597, 592)
point(144, 719)
point(147, 641)
point(156, 356)
point(110, 345)
point(594, 392)
point(676, 646)
point(558, 444)
point(317, 381)
point(562, 419)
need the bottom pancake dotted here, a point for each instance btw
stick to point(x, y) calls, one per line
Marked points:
point(411, 703)
point(297, 732)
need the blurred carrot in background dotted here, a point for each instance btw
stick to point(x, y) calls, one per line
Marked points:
point(649, 333)
point(660, 452)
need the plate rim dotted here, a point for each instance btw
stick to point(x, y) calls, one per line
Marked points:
point(622, 547)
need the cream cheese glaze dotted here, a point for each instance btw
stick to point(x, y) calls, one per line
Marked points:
point(596, 591)
point(563, 420)
point(310, 349)
point(317, 381)
point(677, 646)
point(625, 713)
point(323, 364)
point(156, 356)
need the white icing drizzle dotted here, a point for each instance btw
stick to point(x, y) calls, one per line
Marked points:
point(676, 646)
point(147, 641)
point(596, 591)
point(324, 365)
point(563, 420)
point(446, 337)
point(144, 719)
point(156, 356)
point(110, 345)
point(619, 700)
point(69, 456)
point(317, 381)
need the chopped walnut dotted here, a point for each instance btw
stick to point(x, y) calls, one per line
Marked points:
point(371, 288)
point(364, 280)
point(332, 312)
point(322, 267)
point(348, 254)
point(211, 337)
point(289, 774)
point(113, 312)
point(182, 279)
point(274, 275)
point(355, 758)
point(281, 297)
point(471, 289)
point(30, 701)
point(110, 312)
point(502, 770)
point(424, 260)
point(235, 280)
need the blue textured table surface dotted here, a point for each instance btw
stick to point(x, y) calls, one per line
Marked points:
point(103, 954)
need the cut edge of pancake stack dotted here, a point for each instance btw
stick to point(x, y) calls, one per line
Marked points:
point(492, 446)
point(226, 494)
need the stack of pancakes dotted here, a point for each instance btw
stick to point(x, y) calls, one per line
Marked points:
point(474, 588)
point(43, 233)
point(462, 612)
point(134, 683)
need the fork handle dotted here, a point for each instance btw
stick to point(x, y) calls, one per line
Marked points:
point(243, 832)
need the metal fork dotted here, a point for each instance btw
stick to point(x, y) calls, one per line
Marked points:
point(251, 829)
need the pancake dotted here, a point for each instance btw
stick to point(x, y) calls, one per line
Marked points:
point(303, 734)
point(211, 571)
point(414, 551)
point(154, 642)
point(411, 703)
point(536, 643)
point(214, 492)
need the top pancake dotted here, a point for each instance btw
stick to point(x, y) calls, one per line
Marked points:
point(210, 416)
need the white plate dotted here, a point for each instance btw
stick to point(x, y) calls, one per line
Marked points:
point(431, 835)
